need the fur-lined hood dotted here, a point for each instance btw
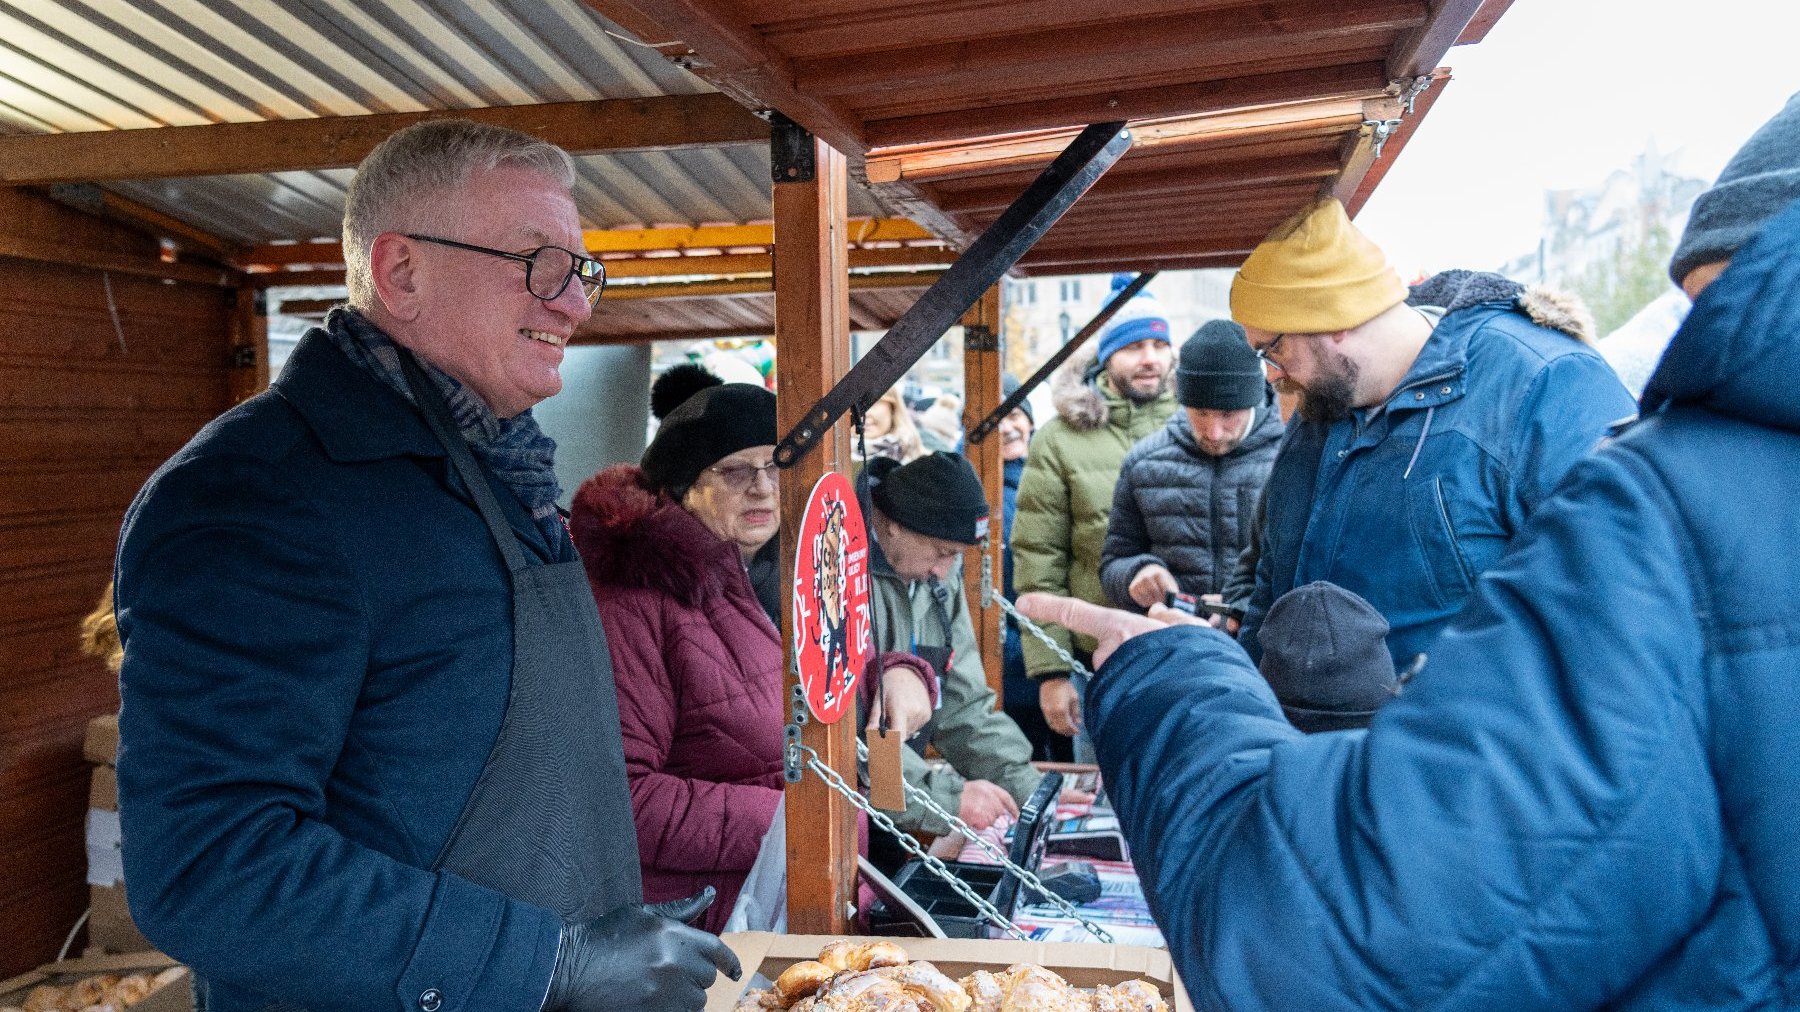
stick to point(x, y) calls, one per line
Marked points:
point(629, 536)
point(1546, 307)
point(1078, 398)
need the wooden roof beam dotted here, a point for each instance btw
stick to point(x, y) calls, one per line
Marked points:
point(335, 142)
point(1483, 22)
point(638, 240)
point(1418, 52)
point(1357, 80)
point(709, 39)
point(1034, 150)
point(598, 337)
point(1122, 186)
point(758, 286)
point(1219, 37)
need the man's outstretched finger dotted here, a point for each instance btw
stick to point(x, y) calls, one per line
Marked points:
point(1073, 615)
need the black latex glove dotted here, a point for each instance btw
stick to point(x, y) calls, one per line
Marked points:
point(640, 958)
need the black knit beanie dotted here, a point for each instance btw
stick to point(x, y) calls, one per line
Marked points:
point(1758, 182)
point(937, 495)
point(1325, 654)
point(709, 426)
point(1219, 370)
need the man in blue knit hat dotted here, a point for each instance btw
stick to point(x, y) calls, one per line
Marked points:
point(1104, 405)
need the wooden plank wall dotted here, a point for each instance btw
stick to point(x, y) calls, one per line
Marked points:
point(87, 412)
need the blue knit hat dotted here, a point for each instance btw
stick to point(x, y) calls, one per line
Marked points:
point(1128, 332)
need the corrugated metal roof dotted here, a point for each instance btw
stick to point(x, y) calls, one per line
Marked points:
point(131, 64)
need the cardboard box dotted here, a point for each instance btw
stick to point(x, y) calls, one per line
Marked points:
point(110, 927)
point(103, 789)
point(1081, 964)
point(101, 747)
point(175, 993)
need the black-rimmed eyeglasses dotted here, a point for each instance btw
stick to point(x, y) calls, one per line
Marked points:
point(1270, 349)
point(548, 269)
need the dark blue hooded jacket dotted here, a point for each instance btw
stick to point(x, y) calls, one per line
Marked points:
point(1591, 795)
point(1408, 502)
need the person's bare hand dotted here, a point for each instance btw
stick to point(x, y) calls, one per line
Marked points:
point(1151, 585)
point(1108, 625)
point(1061, 705)
point(906, 701)
point(1075, 796)
point(983, 802)
point(1222, 622)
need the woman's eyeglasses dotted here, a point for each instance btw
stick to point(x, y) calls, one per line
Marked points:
point(548, 269)
point(737, 477)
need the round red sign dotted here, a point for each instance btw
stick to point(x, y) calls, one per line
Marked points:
point(832, 640)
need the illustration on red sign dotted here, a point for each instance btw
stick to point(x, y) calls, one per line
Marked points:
point(832, 636)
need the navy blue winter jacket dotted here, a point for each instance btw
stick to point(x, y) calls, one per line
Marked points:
point(1408, 502)
point(1591, 795)
point(318, 648)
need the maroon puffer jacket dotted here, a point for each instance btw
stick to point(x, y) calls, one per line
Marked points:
point(698, 666)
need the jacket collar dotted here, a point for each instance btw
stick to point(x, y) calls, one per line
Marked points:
point(356, 418)
point(1437, 374)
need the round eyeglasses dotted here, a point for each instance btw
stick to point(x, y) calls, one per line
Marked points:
point(548, 269)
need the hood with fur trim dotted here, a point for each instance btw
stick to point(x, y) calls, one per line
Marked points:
point(629, 536)
point(1546, 307)
point(1076, 395)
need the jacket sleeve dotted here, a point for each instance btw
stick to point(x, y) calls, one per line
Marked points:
point(944, 785)
point(684, 824)
point(1240, 587)
point(1127, 548)
point(246, 645)
point(1042, 547)
point(1573, 402)
point(971, 732)
point(1532, 825)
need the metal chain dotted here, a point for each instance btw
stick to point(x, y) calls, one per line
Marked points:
point(1023, 874)
point(907, 843)
point(992, 596)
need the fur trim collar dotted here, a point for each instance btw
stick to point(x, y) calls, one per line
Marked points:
point(1078, 400)
point(629, 536)
point(1455, 290)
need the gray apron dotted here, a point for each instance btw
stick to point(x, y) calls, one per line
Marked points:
point(549, 821)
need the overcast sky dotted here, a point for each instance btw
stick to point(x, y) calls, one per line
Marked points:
point(1562, 93)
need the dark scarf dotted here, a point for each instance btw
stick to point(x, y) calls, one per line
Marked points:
point(514, 449)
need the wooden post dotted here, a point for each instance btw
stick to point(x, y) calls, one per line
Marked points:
point(249, 370)
point(981, 395)
point(812, 331)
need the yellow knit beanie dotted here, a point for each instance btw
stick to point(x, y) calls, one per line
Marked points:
point(1315, 274)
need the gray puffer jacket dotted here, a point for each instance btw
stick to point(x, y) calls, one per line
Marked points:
point(1180, 507)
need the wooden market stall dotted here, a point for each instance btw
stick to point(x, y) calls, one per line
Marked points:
point(168, 175)
point(964, 112)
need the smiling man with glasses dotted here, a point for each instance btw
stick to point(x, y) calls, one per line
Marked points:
point(1431, 422)
point(370, 745)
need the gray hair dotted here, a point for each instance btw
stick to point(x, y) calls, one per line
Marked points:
point(392, 186)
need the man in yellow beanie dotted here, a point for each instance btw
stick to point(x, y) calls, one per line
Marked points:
point(1432, 422)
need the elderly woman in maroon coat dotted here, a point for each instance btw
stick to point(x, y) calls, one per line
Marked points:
point(669, 546)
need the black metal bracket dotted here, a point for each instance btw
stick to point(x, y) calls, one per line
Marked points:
point(792, 157)
point(1055, 190)
point(980, 337)
point(1106, 313)
point(243, 356)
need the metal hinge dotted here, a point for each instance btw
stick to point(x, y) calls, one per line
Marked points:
point(980, 338)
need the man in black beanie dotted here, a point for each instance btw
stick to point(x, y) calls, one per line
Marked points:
point(1184, 506)
point(1325, 654)
point(922, 517)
